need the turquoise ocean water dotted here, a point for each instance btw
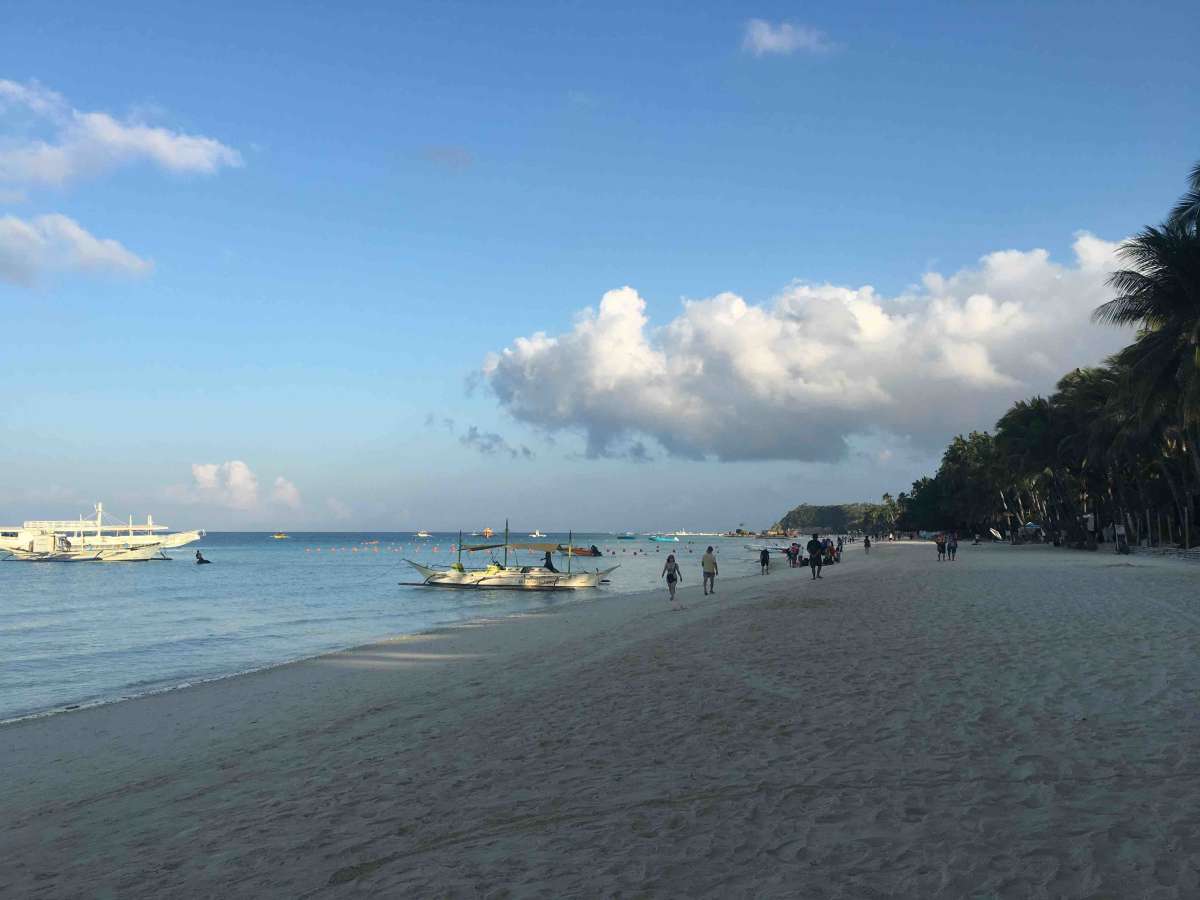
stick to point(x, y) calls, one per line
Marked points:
point(73, 634)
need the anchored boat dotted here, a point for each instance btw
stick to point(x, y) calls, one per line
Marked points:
point(88, 540)
point(503, 576)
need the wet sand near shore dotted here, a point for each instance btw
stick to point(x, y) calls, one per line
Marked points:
point(1021, 722)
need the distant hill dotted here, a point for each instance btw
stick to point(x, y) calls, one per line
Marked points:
point(841, 517)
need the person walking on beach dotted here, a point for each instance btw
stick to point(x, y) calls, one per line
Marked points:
point(952, 546)
point(867, 544)
point(708, 564)
point(673, 575)
point(940, 542)
point(764, 561)
point(815, 552)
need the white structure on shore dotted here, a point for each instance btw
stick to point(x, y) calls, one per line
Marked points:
point(87, 540)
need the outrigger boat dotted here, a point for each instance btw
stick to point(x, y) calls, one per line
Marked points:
point(86, 540)
point(502, 576)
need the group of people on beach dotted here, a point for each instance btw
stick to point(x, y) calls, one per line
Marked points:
point(821, 552)
point(674, 575)
point(947, 545)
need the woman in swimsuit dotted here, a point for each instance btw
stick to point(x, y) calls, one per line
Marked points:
point(673, 575)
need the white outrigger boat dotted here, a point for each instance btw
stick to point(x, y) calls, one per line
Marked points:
point(502, 576)
point(87, 540)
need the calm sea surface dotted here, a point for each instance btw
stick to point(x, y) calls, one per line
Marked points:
point(82, 633)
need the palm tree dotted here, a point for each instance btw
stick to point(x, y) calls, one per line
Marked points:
point(1187, 210)
point(1160, 294)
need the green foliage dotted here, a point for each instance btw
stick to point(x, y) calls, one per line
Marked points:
point(837, 518)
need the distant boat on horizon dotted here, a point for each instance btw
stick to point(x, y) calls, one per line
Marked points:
point(664, 539)
point(627, 536)
point(536, 534)
point(424, 534)
point(280, 536)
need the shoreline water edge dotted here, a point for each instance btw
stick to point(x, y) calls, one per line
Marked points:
point(191, 681)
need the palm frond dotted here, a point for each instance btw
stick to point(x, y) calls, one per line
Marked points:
point(1187, 210)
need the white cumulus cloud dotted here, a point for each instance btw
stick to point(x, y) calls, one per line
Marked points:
point(762, 38)
point(286, 493)
point(55, 243)
point(803, 376)
point(61, 144)
point(233, 485)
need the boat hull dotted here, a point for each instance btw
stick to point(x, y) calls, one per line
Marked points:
point(524, 578)
point(91, 554)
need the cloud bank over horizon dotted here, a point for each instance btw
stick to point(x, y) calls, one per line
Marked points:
point(817, 369)
point(233, 485)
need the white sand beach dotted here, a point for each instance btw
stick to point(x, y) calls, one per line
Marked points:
point(1019, 723)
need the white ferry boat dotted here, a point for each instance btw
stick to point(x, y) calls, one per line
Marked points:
point(91, 540)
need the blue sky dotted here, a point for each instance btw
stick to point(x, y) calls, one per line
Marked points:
point(408, 188)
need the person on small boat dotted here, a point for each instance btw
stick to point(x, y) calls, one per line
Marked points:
point(548, 563)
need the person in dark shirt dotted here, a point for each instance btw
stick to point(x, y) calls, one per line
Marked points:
point(815, 551)
point(764, 561)
point(548, 563)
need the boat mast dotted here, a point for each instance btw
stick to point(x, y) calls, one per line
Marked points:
point(99, 518)
point(506, 543)
point(570, 552)
point(460, 547)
